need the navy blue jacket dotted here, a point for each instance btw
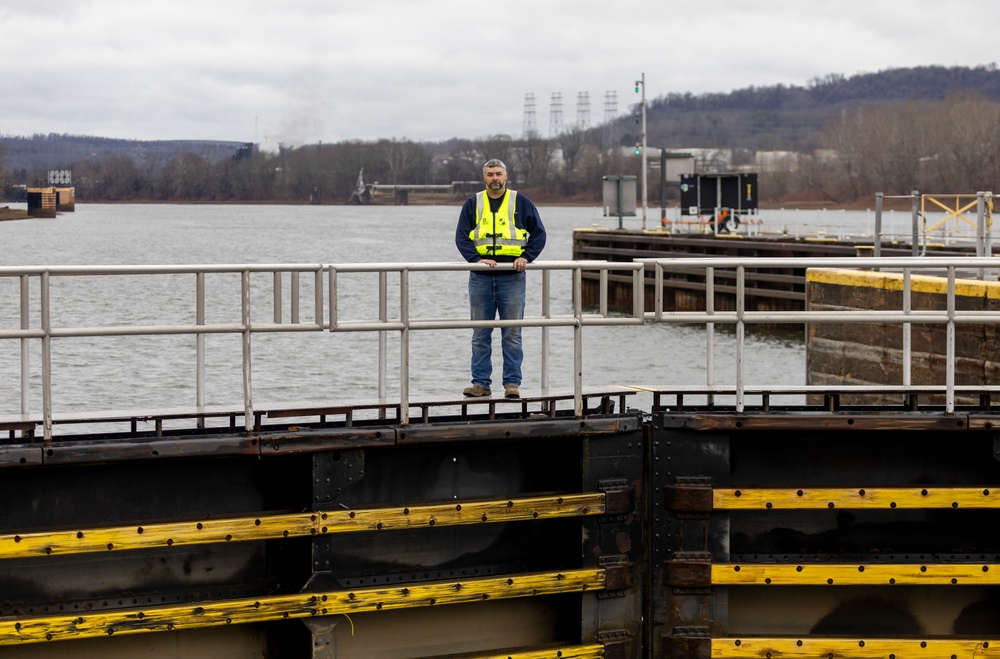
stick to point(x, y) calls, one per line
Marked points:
point(525, 217)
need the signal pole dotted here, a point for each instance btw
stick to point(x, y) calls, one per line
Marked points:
point(641, 82)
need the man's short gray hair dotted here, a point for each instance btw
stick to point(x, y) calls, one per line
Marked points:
point(494, 162)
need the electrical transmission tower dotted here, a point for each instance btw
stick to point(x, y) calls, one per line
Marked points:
point(610, 114)
point(583, 110)
point(529, 129)
point(555, 115)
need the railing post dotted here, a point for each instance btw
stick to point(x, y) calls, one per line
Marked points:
point(383, 316)
point(710, 331)
point(46, 360)
point(740, 333)
point(276, 293)
point(25, 348)
point(547, 314)
point(658, 293)
point(295, 297)
point(404, 347)
point(578, 343)
point(603, 293)
point(950, 348)
point(200, 344)
point(907, 330)
point(981, 230)
point(639, 293)
point(318, 297)
point(333, 298)
point(877, 247)
point(989, 223)
point(245, 331)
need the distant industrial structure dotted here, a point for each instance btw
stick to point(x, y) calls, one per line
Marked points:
point(57, 196)
point(557, 126)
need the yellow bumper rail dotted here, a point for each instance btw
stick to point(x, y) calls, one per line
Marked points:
point(564, 652)
point(856, 498)
point(244, 529)
point(873, 648)
point(816, 574)
point(15, 631)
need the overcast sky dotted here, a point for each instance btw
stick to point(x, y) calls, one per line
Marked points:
point(303, 71)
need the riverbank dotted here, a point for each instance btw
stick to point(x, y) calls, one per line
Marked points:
point(538, 196)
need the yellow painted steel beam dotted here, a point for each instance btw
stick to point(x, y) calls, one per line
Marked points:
point(873, 648)
point(565, 652)
point(871, 498)
point(243, 529)
point(893, 281)
point(815, 574)
point(36, 629)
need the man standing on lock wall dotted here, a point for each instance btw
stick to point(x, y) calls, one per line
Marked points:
point(501, 229)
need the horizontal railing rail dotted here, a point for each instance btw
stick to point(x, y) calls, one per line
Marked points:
point(947, 268)
point(36, 323)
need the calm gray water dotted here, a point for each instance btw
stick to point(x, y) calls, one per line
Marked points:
point(138, 372)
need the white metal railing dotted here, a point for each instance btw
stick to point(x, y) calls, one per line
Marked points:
point(326, 316)
point(906, 316)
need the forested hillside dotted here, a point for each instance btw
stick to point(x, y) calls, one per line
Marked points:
point(791, 118)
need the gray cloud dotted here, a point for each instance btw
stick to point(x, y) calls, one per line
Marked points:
point(318, 70)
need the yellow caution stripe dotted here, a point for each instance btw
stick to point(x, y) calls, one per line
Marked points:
point(816, 574)
point(893, 281)
point(871, 498)
point(563, 652)
point(243, 529)
point(873, 648)
point(15, 631)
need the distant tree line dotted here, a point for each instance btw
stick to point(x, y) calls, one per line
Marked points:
point(328, 173)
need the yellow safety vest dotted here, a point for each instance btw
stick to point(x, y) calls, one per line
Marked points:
point(495, 233)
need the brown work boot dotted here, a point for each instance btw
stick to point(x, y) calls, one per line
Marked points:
point(511, 391)
point(476, 391)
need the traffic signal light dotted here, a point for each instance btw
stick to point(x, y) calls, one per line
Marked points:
point(638, 149)
point(638, 117)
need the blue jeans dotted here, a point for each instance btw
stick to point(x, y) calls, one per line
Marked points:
point(490, 295)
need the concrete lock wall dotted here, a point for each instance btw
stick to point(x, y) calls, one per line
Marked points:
point(868, 353)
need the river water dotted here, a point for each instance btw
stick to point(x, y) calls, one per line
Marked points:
point(138, 372)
